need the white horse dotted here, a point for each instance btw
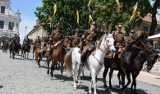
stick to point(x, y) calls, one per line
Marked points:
point(72, 61)
point(96, 60)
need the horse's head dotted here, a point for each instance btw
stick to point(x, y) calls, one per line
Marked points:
point(66, 42)
point(151, 59)
point(142, 43)
point(107, 43)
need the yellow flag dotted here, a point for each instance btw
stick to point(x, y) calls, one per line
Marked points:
point(89, 2)
point(134, 12)
point(55, 8)
point(77, 17)
point(118, 6)
point(49, 19)
point(90, 18)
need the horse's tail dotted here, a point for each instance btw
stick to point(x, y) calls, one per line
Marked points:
point(68, 60)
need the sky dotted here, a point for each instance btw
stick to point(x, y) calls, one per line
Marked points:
point(26, 8)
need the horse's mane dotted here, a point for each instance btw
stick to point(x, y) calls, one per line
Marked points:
point(101, 39)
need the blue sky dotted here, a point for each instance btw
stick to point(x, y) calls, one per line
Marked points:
point(26, 8)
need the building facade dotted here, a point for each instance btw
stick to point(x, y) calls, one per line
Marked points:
point(9, 20)
point(37, 30)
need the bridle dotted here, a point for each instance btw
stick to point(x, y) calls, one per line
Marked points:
point(141, 48)
point(106, 46)
point(105, 50)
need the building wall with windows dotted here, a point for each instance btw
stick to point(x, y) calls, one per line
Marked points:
point(37, 30)
point(9, 20)
point(145, 26)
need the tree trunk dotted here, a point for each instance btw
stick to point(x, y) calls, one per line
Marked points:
point(154, 19)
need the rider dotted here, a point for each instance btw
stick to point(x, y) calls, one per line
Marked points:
point(38, 42)
point(88, 41)
point(16, 38)
point(119, 43)
point(75, 38)
point(26, 40)
point(131, 37)
point(56, 35)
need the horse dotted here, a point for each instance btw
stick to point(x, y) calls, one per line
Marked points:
point(58, 54)
point(95, 60)
point(48, 53)
point(14, 47)
point(73, 62)
point(133, 58)
point(25, 48)
point(5, 46)
point(109, 61)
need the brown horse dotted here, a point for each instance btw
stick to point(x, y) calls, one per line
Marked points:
point(58, 54)
point(37, 51)
point(48, 53)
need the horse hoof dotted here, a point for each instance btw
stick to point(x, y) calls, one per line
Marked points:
point(90, 92)
point(75, 88)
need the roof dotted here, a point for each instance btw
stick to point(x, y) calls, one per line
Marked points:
point(149, 19)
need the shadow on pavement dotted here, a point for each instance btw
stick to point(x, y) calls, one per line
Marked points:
point(1, 86)
point(60, 77)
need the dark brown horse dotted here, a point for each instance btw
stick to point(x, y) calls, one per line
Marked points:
point(133, 58)
point(14, 47)
point(58, 54)
point(112, 64)
point(25, 49)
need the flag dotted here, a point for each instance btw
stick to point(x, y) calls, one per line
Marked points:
point(118, 6)
point(55, 8)
point(89, 2)
point(134, 12)
point(77, 17)
point(49, 19)
point(90, 18)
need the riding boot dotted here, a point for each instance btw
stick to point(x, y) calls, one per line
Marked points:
point(83, 57)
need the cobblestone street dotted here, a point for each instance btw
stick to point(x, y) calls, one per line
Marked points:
point(22, 76)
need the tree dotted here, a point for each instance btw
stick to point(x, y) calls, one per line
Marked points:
point(65, 15)
point(154, 19)
point(111, 16)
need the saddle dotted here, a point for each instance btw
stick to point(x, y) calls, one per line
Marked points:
point(88, 49)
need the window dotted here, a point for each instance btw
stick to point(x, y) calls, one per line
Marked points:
point(11, 25)
point(2, 9)
point(1, 24)
point(145, 29)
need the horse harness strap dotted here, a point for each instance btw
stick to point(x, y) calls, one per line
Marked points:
point(97, 60)
point(146, 49)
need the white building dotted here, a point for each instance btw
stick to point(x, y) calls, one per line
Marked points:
point(9, 20)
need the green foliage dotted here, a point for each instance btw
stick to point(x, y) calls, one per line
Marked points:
point(112, 17)
point(65, 15)
point(101, 10)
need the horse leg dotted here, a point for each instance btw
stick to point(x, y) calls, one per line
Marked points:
point(104, 75)
point(62, 67)
point(79, 73)
point(74, 74)
point(52, 69)
point(119, 79)
point(123, 78)
point(110, 77)
point(128, 78)
point(134, 83)
point(94, 81)
point(48, 61)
